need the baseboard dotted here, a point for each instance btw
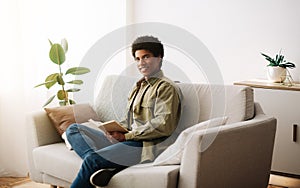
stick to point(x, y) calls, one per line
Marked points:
point(285, 174)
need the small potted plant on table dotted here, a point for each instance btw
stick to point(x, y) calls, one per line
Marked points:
point(277, 67)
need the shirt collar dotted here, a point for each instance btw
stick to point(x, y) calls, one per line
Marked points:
point(152, 79)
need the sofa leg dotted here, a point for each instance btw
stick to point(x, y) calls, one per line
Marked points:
point(53, 186)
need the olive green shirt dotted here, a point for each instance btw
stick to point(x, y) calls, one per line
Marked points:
point(154, 109)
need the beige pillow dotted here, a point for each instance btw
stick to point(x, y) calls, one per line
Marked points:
point(173, 154)
point(63, 116)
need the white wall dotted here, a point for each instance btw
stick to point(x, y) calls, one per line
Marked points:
point(11, 93)
point(26, 27)
point(235, 31)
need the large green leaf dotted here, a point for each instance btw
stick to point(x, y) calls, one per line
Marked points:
point(73, 90)
point(43, 84)
point(78, 70)
point(72, 101)
point(49, 101)
point(78, 82)
point(61, 95)
point(57, 54)
point(60, 80)
point(51, 80)
point(39, 85)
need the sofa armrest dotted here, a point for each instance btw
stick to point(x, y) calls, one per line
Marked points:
point(39, 132)
point(240, 152)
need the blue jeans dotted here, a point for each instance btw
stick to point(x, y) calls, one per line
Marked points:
point(98, 152)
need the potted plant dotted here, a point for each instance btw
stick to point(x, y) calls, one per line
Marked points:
point(57, 55)
point(277, 67)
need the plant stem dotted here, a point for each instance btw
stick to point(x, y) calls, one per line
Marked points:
point(63, 87)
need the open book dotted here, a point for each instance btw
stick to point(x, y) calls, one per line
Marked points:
point(110, 126)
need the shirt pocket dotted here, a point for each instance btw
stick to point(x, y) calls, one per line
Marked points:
point(145, 111)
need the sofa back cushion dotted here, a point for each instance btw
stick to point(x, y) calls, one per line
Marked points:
point(200, 102)
point(111, 102)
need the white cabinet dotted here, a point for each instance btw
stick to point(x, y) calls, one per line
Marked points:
point(284, 104)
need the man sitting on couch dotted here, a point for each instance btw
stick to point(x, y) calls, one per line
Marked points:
point(154, 108)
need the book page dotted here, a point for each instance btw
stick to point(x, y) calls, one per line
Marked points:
point(110, 126)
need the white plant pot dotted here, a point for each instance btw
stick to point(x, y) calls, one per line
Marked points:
point(276, 74)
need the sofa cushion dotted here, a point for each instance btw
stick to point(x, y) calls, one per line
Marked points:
point(146, 176)
point(190, 105)
point(173, 154)
point(235, 102)
point(57, 161)
point(111, 102)
point(63, 116)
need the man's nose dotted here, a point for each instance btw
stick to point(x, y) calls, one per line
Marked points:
point(141, 62)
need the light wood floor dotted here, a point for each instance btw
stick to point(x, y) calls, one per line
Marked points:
point(285, 182)
point(275, 182)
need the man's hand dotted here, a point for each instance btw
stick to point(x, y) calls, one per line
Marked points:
point(115, 136)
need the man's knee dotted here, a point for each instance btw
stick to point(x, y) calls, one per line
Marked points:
point(73, 128)
point(93, 160)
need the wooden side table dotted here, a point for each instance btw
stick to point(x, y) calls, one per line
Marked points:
point(260, 83)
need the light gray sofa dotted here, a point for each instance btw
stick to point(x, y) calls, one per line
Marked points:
point(234, 155)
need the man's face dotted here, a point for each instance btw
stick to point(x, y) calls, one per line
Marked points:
point(147, 63)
